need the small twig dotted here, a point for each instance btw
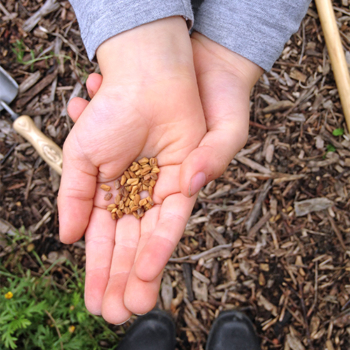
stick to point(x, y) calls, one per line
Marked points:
point(305, 316)
point(316, 291)
point(58, 331)
point(337, 232)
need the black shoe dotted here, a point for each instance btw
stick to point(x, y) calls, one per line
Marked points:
point(232, 330)
point(155, 330)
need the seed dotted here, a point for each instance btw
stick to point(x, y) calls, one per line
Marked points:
point(150, 191)
point(108, 196)
point(137, 199)
point(144, 188)
point(134, 167)
point(132, 196)
point(149, 200)
point(154, 176)
point(106, 187)
point(143, 202)
point(143, 161)
point(117, 199)
point(127, 175)
point(114, 210)
point(121, 205)
point(147, 177)
point(152, 183)
point(148, 206)
point(133, 181)
point(114, 216)
point(136, 216)
point(111, 207)
point(153, 162)
point(138, 172)
point(127, 202)
point(134, 190)
point(140, 212)
point(127, 211)
point(134, 208)
point(155, 170)
point(125, 193)
point(123, 180)
point(128, 188)
point(120, 214)
point(117, 184)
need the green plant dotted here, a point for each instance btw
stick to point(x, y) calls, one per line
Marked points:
point(38, 313)
point(338, 132)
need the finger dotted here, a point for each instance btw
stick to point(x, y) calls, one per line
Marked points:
point(173, 216)
point(140, 296)
point(225, 101)
point(93, 84)
point(76, 107)
point(75, 197)
point(211, 158)
point(126, 241)
point(99, 244)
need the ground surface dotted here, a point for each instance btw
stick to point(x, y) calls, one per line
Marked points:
point(289, 273)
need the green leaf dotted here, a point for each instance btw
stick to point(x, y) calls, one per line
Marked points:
point(338, 132)
point(330, 148)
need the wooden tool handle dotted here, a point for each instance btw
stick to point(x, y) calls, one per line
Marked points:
point(336, 54)
point(47, 149)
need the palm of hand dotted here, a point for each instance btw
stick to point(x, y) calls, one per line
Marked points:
point(125, 259)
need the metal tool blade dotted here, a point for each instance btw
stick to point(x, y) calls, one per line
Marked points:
point(8, 88)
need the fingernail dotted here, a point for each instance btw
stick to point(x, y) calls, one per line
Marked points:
point(197, 182)
point(119, 324)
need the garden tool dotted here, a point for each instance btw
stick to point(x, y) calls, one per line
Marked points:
point(24, 125)
point(336, 54)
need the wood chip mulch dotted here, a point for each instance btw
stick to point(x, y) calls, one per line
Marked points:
point(271, 236)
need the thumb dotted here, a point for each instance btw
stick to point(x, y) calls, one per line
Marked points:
point(211, 158)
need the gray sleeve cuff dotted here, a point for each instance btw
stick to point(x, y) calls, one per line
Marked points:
point(257, 30)
point(99, 20)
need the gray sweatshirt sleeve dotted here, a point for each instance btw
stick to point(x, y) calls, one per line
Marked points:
point(99, 20)
point(255, 29)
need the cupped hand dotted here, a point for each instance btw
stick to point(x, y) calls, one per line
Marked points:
point(147, 105)
point(225, 80)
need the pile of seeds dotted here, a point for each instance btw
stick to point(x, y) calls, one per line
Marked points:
point(140, 176)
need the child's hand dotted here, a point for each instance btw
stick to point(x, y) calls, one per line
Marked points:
point(148, 105)
point(224, 81)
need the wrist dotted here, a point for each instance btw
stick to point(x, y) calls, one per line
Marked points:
point(154, 49)
point(225, 60)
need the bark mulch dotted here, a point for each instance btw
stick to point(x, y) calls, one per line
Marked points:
point(271, 236)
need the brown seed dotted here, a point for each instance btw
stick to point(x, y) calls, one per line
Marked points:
point(128, 188)
point(134, 208)
point(125, 193)
point(123, 180)
point(138, 172)
point(146, 183)
point(148, 206)
point(155, 170)
point(150, 191)
point(131, 196)
point(139, 187)
point(127, 175)
point(142, 202)
point(144, 187)
point(152, 183)
point(131, 204)
point(111, 207)
point(117, 199)
point(143, 161)
point(154, 176)
point(106, 187)
point(120, 214)
point(127, 202)
point(127, 211)
point(140, 212)
point(114, 216)
point(108, 196)
point(134, 190)
point(137, 199)
point(146, 170)
point(114, 210)
point(147, 177)
point(149, 200)
point(133, 181)
point(136, 216)
point(153, 162)
point(117, 184)
point(135, 167)
point(132, 174)
point(121, 205)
